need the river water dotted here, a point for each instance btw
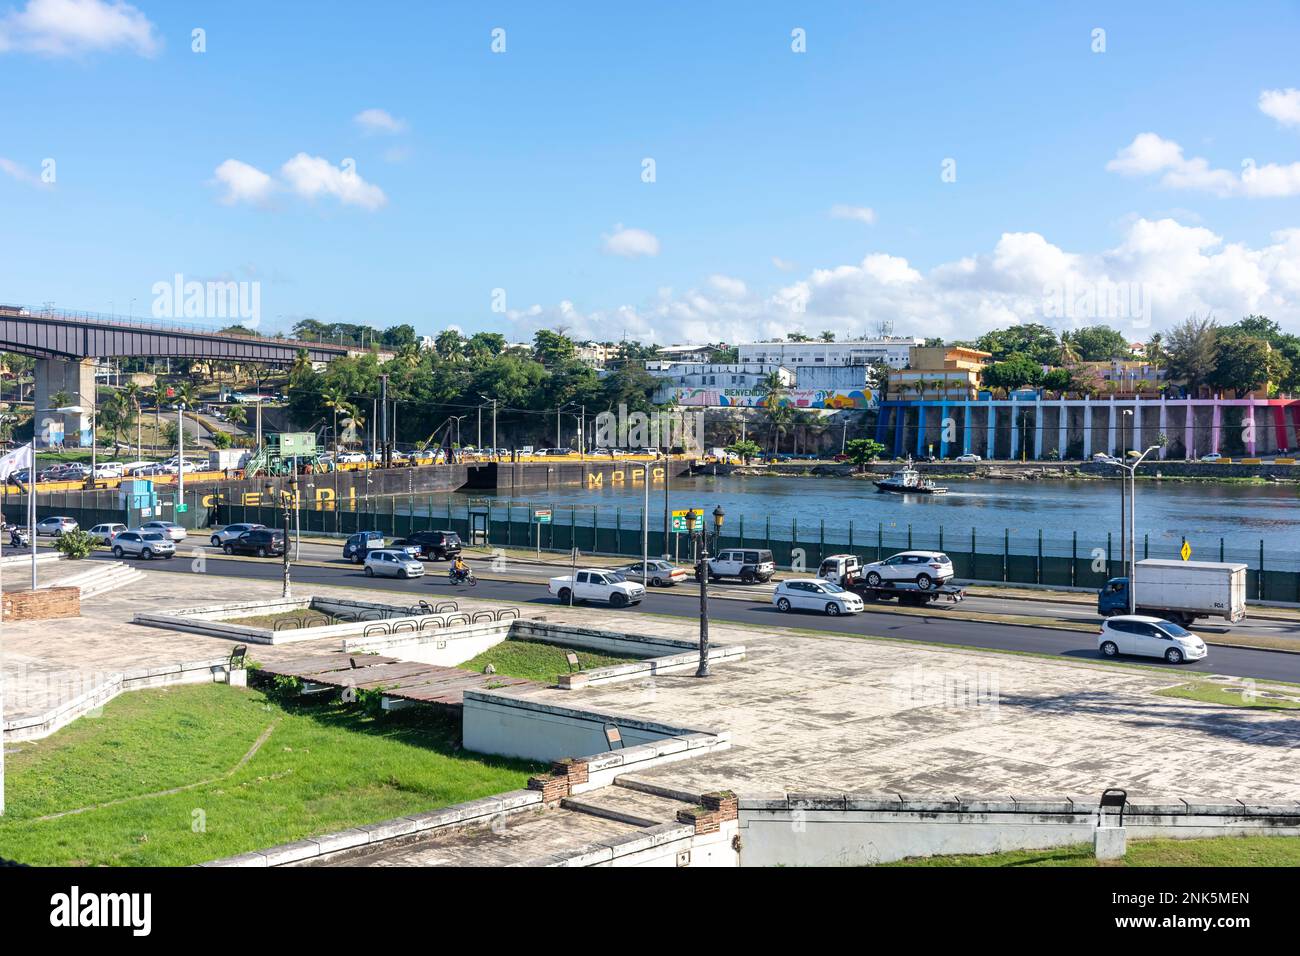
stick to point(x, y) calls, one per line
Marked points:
point(1243, 516)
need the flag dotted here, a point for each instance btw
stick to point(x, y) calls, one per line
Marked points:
point(20, 459)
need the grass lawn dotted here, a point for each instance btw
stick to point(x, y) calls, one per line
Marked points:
point(176, 776)
point(1219, 851)
point(536, 661)
point(1235, 694)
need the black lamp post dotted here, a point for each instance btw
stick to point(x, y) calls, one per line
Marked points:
point(703, 559)
point(287, 500)
point(718, 515)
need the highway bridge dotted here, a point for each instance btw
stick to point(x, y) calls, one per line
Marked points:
point(66, 345)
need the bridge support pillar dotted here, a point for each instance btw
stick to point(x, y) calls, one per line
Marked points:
point(75, 378)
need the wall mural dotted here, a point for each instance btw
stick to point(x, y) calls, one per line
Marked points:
point(822, 398)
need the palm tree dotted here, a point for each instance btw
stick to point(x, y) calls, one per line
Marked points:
point(132, 392)
point(1067, 354)
point(335, 402)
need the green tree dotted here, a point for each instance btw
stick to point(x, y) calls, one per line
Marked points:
point(745, 450)
point(863, 451)
point(1017, 371)
point(1192, 351)
point(1099, 343)
point(1037, 342)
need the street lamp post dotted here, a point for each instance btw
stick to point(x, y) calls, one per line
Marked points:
point(1131, 557)
point(703, 669)
point(287, 501)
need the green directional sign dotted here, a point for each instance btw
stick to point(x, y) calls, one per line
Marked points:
point(679, 521)
point(297, 444)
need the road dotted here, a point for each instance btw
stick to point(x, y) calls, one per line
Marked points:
point(942, 624)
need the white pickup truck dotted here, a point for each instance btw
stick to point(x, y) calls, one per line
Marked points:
point(594, 584)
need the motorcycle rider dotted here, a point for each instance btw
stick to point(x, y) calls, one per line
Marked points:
point(459, 570)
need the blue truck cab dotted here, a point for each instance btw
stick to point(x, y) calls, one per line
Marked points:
point(1113, 598)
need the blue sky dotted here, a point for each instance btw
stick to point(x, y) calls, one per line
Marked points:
point(516, 171)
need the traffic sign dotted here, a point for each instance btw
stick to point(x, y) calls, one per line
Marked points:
point(542, 515)
point(1186, 551)
point(679, 520)
point(297, 444)
point(181, 509)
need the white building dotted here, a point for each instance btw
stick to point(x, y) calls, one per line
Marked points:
point(893, 351)
point(707, 375)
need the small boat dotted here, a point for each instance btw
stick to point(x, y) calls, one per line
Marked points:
point(908, 481)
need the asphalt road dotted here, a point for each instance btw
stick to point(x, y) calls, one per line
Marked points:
point(943, 625)
point(1055, 611)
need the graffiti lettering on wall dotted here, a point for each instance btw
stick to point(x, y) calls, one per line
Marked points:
point(824, 398)
point(596, 479)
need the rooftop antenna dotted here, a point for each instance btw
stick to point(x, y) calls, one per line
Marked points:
point(884, 329)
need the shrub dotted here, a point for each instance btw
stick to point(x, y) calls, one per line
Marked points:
point(75, 545)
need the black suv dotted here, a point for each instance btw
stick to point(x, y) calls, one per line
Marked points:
point(436, 545)
point(263, 542)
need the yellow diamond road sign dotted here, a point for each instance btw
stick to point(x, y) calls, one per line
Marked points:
point(1186, 552)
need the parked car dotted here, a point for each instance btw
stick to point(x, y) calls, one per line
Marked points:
point(109, 469)
point(927, 568)
point(815, 594)
point(232, 531)
point(969, 459)
point(661, 573)
point(1102, 458)
point(355, 548)
point(1143, 636)
point(56, 525)
point(749, 565)
point(143, 544)
point(170, 528)
point(1212, 457)
point(262, 542)
point(436, 545)
point(351, 457)
point(392, 563)
point(106, 532)
point(405, 545)
point(596, 584)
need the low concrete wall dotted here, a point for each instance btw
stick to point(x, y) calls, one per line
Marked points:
point(495, 723)
point(446, 647)
point(397, 832)
point(809, 829)
point(212, 620)
point(36, 726)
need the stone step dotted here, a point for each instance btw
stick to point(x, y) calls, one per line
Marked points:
point(625, 805)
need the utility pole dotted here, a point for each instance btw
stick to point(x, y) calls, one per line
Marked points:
point(383, 430)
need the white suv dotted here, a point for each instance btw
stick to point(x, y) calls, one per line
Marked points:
point(927, 569)
point(143, 544)
point(748, 564)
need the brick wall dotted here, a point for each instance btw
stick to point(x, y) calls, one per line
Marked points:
point(42, 605)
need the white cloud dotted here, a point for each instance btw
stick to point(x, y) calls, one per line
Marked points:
point(1179, 269)
point(72, 27)
point(20, 173)
point(785, 265)
point(860, 213)
point(313, 176)
point(243, 183)
point(1282, 105)
point(727, 286)
point(1149, 154)
point(309, 176)
point(379, 121)
point(630, 243)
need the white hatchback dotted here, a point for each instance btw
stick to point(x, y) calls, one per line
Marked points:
point(1143, 636)
point(392, 563)
point(815, 594)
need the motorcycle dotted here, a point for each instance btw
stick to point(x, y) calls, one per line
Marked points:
point(462, 577)
point(19, 538)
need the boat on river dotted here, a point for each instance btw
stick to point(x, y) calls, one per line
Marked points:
point(908, 481)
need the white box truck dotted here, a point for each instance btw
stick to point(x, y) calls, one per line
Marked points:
point(220, 459)
point(1180, 591)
